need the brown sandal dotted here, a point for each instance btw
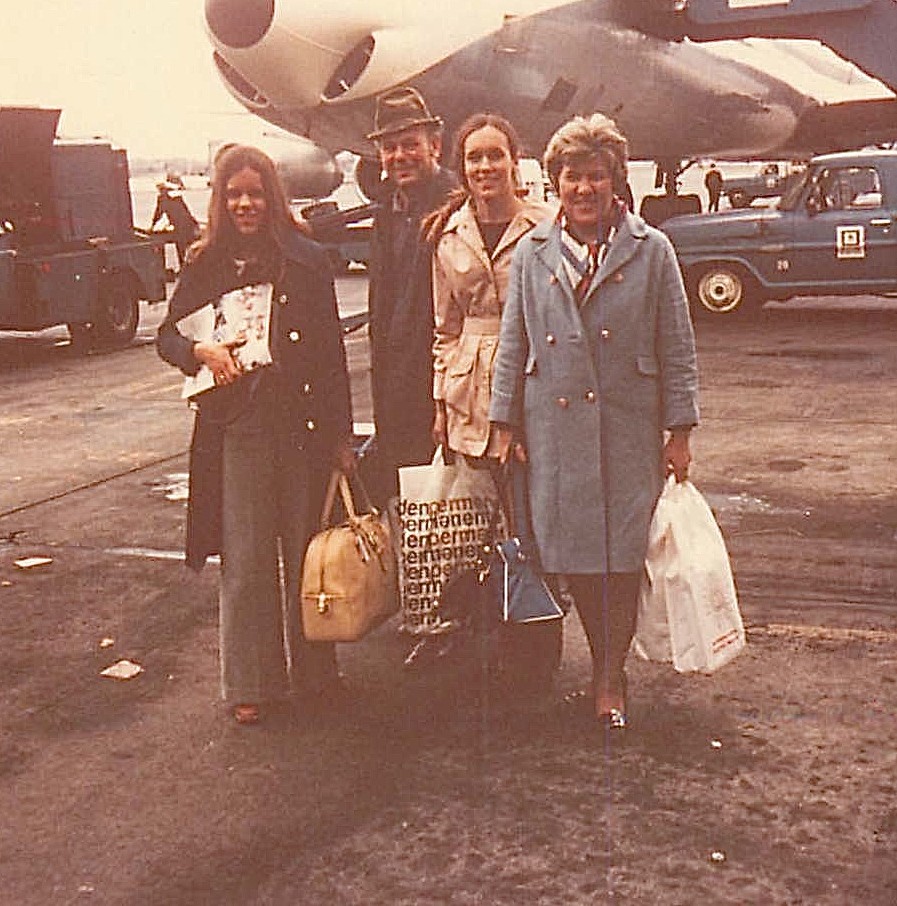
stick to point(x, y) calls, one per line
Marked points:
point(246, 714)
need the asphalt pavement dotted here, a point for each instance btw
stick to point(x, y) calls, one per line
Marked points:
point(771, 782)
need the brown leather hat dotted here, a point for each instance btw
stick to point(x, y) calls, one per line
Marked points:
point(399, 109)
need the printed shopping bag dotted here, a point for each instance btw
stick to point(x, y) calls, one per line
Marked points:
point(688, 610)
point(447, 513)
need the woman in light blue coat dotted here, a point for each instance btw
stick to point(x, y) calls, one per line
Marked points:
point(595, 387)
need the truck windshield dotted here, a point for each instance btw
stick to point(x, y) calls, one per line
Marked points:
point(793, 190)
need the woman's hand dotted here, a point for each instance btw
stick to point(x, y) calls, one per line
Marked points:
point(677, 453)
point(219, 359)
point(440, 431)
point(507, 446)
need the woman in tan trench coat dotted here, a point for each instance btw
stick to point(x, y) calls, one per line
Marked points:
point(475, 235)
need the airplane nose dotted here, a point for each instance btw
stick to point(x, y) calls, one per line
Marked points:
point(239, 23)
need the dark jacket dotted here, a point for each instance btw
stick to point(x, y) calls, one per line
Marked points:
point(175, 209)
point(310, 370)
point(401, 323)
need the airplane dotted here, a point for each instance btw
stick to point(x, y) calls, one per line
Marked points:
point(315, 67)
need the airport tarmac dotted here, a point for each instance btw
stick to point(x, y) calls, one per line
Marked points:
point(771, 782)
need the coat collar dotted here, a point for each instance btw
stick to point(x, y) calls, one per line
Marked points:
point(463, 223)
point(630, 233)
point(302, 250)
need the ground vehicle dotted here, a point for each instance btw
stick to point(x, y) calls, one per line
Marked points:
point(742, 190)
point(834, 231)
point(346, 234)
point(69, 253)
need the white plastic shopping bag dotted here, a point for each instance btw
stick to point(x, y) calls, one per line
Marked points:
point(688, 610)
point(446, 513)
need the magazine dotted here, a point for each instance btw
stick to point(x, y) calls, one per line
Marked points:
point(242, 317)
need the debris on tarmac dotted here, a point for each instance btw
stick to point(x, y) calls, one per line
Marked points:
point(123, 670)
point(175, 486)
point(717, 856)
point(716, 744)
point(107, 642)
point(31, 562)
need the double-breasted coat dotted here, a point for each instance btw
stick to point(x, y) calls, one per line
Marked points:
point(469, 290)
point(592, 386)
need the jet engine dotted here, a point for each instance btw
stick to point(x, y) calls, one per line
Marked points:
point(306, 170)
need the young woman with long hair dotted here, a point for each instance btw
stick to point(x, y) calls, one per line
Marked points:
point(265, 439)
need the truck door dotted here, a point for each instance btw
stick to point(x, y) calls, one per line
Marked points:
point(845, 234)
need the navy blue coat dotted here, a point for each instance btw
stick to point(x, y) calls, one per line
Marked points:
point(306, 344)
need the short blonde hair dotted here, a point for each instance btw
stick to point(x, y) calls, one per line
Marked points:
point(587, 137)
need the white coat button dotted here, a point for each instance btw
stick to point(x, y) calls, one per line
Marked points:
point(310, 425)
point(590, 396)
point(549, 339)
point(605, 333)
point(563, 402)
point(295, 336)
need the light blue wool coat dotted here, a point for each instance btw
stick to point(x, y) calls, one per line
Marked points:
point(592, 387)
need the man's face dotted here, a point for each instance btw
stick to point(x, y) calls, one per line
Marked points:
point(410, 156)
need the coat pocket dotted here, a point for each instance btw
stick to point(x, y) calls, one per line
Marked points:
point(462, 363)
point(647, 365)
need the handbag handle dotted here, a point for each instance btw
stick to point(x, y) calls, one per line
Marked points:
point(338, 480)
point(513, 484)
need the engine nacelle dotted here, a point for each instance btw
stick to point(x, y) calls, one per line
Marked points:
point(306, 170)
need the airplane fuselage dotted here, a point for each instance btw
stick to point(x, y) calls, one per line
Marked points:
point(315, 67)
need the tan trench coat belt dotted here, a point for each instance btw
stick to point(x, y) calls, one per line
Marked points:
point(482, 327)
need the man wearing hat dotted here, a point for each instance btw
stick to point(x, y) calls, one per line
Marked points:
point(409, 141)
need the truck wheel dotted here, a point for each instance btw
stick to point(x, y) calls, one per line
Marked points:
point(117, 313)
point(720, 289)
point(739, 199)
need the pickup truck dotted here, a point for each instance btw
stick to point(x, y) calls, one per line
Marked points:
point(833, 232)
point(742, 190)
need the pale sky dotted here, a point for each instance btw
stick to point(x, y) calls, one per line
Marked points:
point(140, 72)
point(137, 71)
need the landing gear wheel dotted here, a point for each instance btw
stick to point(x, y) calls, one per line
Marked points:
point(723, 290)
point(739, 199)
point(118, 313)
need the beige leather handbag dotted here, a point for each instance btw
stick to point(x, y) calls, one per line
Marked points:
point(349, 573)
